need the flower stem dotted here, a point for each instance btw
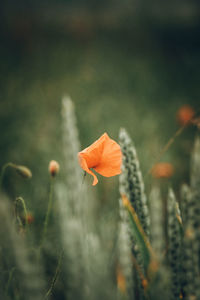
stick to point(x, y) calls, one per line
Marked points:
point(9, 279)
point(84, 175)
point(46, 221)
point(55, 276)
point(166, 147)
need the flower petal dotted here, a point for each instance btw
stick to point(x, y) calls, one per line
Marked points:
point(93, 153)
point(84, 166)
point(111, 158)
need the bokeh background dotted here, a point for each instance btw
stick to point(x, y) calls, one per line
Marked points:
point(129, 64)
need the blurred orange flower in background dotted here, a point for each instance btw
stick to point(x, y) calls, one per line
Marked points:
point(104, 156)
point(185, 114)
point(162, 170)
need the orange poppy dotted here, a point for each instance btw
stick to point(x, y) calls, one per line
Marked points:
point(104, 156)
point(185, 114)
point(162, 170)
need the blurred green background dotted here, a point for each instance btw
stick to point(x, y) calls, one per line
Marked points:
point(124, 63)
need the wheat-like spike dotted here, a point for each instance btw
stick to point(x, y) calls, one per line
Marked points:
point(174, 243)
point(191, 225)
point(86, 258)
point(184, 202)
point(157, 233)
point(190, 267)
point(124, 246)
point(71, 147)
point(195, 167)
point(161, 282)
point(195, 195)
point(71, 238)
point(195, 187)
point(70, 198)
point(131, 185)
point(187, 256)
point(30, 275)
point(131, 181)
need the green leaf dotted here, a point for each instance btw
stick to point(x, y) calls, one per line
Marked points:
point(139, 235)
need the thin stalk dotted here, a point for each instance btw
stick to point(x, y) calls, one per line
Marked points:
point(9, 279)
point(84, 175)
point(49, 292)
point(46, 221)
point(171, 141)
point(166, 147)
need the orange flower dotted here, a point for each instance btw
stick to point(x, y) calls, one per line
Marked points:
point(185, 114)
point(162, 170)
point(104, 156)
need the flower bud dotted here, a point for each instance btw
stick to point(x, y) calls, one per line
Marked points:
point(54, 168)
point(23, 172)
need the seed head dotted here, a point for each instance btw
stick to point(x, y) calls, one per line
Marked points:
point(23, 172)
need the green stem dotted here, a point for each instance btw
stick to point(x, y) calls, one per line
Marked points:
point(55, 276)
point(46, 221)
point(9, 279)
point(84, 175)
point(9, 164)
point(167, 146)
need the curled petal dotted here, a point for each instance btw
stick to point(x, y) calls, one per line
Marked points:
point(84, 166)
